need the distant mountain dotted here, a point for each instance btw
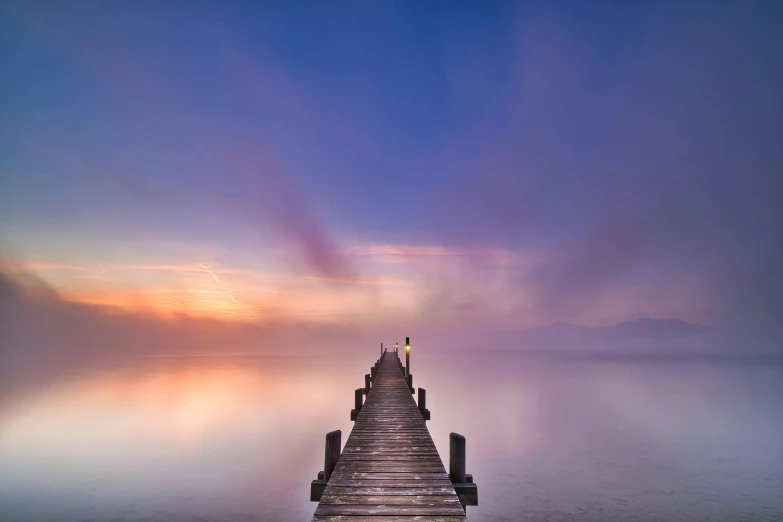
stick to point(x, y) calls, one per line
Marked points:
point(559, 329)
point(566, 334)
point(653, 329)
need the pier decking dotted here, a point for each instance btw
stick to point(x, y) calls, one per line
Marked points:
point(389, 468)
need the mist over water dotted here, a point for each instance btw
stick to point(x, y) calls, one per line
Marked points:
point(240, 438)
point(211, 216)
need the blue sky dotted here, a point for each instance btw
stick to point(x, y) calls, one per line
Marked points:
point(557, 159)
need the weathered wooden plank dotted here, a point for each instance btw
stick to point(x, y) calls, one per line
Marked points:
point(392, 500)
point(391, 441)
point(379, 424)
point(349, 518)
point(373, 424)
point(363, 434)
point(385, 450)
point(394, 440)
point(389, 467)
point(369, 457)
point(376, 415)
point(389, 483)
point(389, 490)
point(386, 475)
point(371, 437)
point(390, 444)
point(372, 468)
point(380, 479)
point(383, 509)
point(379, 429)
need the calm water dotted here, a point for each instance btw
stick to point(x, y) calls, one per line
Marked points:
point(209, 438)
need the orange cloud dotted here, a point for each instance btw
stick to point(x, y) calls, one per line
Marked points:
point(396, 280)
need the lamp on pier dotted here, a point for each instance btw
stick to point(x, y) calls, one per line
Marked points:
point(407, 356)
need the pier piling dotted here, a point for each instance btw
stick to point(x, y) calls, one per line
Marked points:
point(331, 455)
point(357, 403)
point(425, 413)
point(462, 482)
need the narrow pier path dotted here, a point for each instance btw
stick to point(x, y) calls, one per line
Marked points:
point(389, 468)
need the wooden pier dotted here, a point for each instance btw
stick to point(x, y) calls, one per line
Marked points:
point(390, 468)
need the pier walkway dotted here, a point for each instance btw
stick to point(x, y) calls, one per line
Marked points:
point(389, 468)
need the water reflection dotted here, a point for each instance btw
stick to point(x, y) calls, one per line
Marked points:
point(239, 438)
point(611, 441)
point(190, 436)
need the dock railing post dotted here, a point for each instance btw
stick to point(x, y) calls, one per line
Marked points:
point(331, 455)
point(410, 383)
point(367, 379)
point(462, 482)
point(425, 413)
point(332, 452)
point(456, 458)
point(357, 403)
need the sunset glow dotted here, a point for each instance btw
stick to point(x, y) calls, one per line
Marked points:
point(391, 279)
point(214, 214)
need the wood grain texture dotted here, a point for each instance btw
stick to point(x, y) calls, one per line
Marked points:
point(389, 468)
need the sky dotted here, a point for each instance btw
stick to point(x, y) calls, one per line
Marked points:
point(363, 163)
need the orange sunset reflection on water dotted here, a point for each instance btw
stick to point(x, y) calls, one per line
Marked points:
point(241, 437)
point(180, 406)
point(170, 430)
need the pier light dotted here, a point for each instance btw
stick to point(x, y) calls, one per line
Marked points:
point(408, 358)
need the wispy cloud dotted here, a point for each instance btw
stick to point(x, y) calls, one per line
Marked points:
point(207, 270)
point(433, 253)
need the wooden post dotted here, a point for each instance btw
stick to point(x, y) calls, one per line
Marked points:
point(372, 372)
point(456, 458)
point(357, 403)
point(408, 355)
point(466, 489)
point(410, 382)
point(425, 413)
point(367, 378)
point(332, 453)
